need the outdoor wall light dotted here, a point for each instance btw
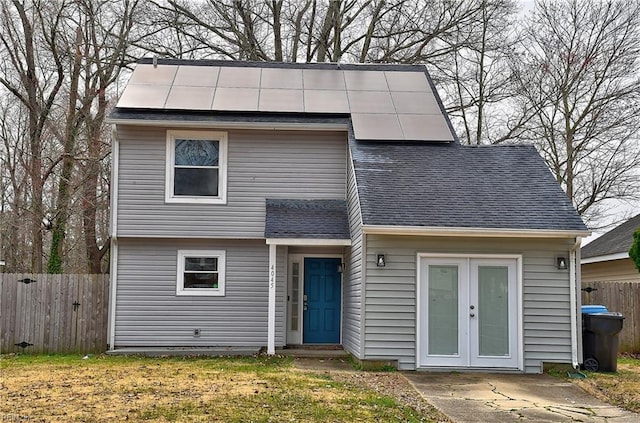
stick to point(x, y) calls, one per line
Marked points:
point(380, 260)
point(341, 268)
point(562, 263)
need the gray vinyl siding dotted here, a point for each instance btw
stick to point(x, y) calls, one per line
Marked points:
point(352, 321)
point(149, 314)
point(261, 164)
point(390, 297)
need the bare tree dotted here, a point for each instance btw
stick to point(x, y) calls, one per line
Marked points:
point(14, 185)
point(61, 61)
point(580, 65)
point(404, 31)
point(476, 78)
point(32, 71)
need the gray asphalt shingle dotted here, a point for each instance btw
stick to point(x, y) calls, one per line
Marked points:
point(617, 240)
point(324, 219)
point(430, 185)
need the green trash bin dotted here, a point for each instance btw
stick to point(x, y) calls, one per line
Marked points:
point(600, 340)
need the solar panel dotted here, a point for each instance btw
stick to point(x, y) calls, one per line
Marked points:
point(148, 74)
point(144, 96)
point(365, 81)
point(197, 76)
point(410, 102)
point(185, 98)
point(407, 81)
point(236, 99)
point(281, 78)
point(276, 100)
point(323, 79)
point(326, 101)
point(237, 77)
point(376, 126)
point(384, 105)
point(370, 102)
point(425, 128)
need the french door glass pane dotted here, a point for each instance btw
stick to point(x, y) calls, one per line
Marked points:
point(493, 310)
point(443, 310)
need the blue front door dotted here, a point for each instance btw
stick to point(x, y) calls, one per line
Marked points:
point(322, 301)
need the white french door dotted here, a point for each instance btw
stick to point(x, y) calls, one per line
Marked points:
point(468, 312)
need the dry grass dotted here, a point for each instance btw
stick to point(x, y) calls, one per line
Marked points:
point(101, 389)
point(621, 388)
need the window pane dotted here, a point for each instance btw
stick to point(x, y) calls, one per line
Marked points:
point(443, 310)
point(201, 280)
point(196, 153)
point(196, 182)
point(295, 292)
point(201, 263)
point(493, 310)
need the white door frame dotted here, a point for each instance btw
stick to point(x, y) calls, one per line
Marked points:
point(465, 353)
point(296, 337)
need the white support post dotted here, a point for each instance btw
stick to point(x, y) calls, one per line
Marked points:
point(271, 313)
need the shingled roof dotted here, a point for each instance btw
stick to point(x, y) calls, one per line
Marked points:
point(439, 185)
point(317, 219)
point(617, 240)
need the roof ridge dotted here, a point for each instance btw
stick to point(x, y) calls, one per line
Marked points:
point(415, 67)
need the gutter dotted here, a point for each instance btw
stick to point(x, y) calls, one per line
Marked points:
point(574, 278)
point(467, 232)
point(204, 124)
point(607, 257)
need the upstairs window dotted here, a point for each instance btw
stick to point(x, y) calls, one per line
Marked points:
point(196, 167)
point(201, 272)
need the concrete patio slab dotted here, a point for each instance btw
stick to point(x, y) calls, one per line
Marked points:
point(480, 397)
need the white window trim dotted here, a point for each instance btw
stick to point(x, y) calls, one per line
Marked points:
point(221, 137)
point(208, 292)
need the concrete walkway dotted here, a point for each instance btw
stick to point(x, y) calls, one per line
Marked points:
point(499, 398)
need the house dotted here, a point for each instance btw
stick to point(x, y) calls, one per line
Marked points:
point(606, 259)
point(269, 204)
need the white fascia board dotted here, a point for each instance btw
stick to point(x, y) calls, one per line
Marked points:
point(308, 241)
point(607, 257)
point(467, 232)
point(267, 126)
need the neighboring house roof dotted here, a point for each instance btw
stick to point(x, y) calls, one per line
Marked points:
point(390, 102)
point(325, 219)
point(616, 241)
point(431, 185)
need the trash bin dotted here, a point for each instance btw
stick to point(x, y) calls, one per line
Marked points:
point(600, 329)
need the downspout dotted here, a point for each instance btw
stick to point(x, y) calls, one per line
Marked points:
point(573, 297)
point(113, 252)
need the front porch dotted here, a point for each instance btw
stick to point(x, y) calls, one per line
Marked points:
point(312, 235)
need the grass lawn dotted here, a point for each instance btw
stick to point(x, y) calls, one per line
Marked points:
point(107, 389)
point(621, 388)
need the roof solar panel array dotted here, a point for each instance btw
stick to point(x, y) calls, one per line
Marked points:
point(384, 105)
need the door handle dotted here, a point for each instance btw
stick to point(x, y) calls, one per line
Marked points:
point(304, 306)
point(472, 315)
